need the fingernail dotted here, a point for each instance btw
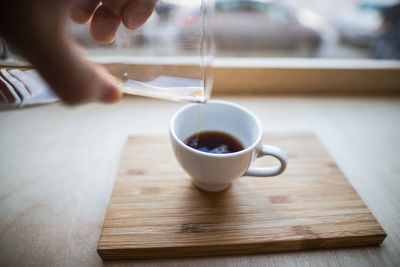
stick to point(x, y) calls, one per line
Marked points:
point(135, 15)
point(111, 95)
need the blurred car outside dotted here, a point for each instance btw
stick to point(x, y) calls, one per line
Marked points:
point(241, 26)
point(387, 45)
point(258, 25)
point(361, 25)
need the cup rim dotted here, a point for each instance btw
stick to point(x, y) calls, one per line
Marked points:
point(223, 102)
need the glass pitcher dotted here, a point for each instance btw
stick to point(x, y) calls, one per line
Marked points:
point(169, 57)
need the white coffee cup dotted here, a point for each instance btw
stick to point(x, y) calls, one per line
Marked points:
point(215, 172)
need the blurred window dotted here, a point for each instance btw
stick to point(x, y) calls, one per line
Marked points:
point(261, 7)
point(342, 29)
point(242, 6)
point(227, 6)
point(248, 6)
point(277, 14)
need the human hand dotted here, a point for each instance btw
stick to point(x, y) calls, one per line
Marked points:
point(37, 30)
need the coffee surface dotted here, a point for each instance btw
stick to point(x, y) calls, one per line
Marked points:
point(214, 142)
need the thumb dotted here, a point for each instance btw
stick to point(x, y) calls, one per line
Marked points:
point(71, 76)
point(42, 38)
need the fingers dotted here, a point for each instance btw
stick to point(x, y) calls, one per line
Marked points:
point(71, 76)
point(137, 12)
point(106, 19)
point(39, 33)
point(104, 25)
point(110, 91)
point(81, 11)
point(116, 6)
point(133, 13)
point(59, 61)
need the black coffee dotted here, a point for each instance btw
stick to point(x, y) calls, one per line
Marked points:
point(214, 142)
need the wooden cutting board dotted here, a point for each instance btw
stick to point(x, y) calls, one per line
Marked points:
point(155, 211)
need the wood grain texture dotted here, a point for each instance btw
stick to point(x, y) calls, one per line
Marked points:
point(58, 167)
point(241, 76)
point(155, 211)
point(305, 81)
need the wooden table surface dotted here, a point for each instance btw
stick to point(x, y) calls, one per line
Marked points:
point(58, 165)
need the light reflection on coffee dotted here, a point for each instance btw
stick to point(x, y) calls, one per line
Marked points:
point(214, 142)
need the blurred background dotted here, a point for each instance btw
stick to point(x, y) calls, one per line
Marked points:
point(264, 28)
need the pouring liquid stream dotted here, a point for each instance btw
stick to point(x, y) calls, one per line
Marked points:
point(38, 91)
point(199, 124)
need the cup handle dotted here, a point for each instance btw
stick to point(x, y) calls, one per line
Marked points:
point(275, 152)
